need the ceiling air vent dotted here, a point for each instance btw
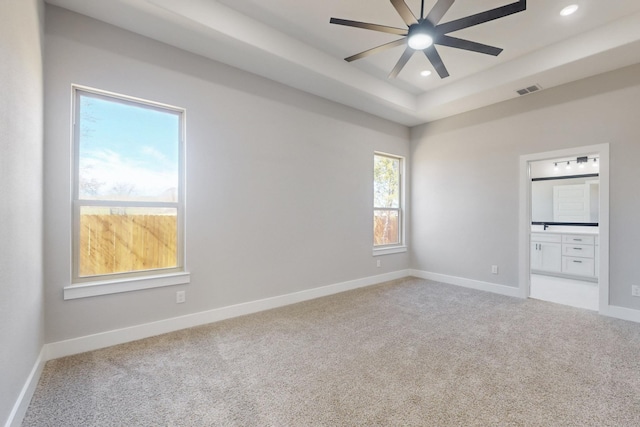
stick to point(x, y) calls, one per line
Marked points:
point(529, 89)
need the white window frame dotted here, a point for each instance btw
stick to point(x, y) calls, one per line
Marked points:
point(400, 246)
point(127, 281)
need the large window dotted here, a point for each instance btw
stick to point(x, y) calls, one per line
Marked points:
point(387, 201)
point(128, 189)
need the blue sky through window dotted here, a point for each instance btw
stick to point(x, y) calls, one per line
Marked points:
point(127, 151)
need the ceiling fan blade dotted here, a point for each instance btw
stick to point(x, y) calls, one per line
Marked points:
point(468, 45)
point(405, 13)
point(377, 49)
point(401, 63)
point(482, 17)
point(436, 61)
point(367, 26)
point(439, 10)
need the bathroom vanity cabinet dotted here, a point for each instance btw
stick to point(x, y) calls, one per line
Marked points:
point(571, 255)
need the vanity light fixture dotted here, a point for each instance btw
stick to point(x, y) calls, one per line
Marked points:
point(580, 161)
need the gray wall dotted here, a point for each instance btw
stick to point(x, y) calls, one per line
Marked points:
point(465, 177)
point(21, 326)
point(279, 182)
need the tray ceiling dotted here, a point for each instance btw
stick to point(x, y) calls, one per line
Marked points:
point(292, 42)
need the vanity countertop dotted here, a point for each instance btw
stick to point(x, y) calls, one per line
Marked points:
point(560, 229)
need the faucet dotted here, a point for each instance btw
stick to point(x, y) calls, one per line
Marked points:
point(545, 225)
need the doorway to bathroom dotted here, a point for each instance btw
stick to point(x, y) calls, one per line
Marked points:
point(564, 219)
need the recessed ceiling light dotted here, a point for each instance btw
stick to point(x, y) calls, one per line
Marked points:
point(569, 10)
point(425, 73)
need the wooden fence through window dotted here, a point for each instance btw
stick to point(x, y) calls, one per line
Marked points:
point(123, 243)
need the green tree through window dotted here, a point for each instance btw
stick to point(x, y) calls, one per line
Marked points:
point(387, 213)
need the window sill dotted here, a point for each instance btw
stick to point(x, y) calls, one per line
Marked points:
point(389, 250)
point(106, 287)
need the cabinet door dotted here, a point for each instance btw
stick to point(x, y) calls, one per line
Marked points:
point(551, 257)
point(546, 257)
point(536, 256)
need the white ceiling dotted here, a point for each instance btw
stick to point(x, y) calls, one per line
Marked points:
point(292, 42)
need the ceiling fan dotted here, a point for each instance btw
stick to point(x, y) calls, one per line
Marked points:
point(425, 32)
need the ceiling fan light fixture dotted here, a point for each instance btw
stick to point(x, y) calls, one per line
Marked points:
point(425, 73)
point(419, 40)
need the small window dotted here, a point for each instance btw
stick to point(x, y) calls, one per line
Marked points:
point(128, 187)
point(387, 201)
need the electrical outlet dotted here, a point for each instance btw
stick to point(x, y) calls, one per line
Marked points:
point(494, 269)
point(378, 263)
point(635, 290)
point(181, 296)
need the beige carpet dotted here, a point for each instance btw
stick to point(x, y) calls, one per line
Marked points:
point(405, 353)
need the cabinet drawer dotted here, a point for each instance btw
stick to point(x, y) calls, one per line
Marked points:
point(546, 238)
point(586, 251)
point(578, 266)
point(579, 239)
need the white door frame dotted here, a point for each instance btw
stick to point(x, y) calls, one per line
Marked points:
point(601, 150)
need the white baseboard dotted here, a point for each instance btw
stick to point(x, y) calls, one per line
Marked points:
point(621, 313)
point(22, 403)
point(120, 336)
point(468, 283)
point(617, 312)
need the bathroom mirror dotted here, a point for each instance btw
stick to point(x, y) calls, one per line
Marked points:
point(565, 200)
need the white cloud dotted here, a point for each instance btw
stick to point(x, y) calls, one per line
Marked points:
point(154, 154)
point(110, 170)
